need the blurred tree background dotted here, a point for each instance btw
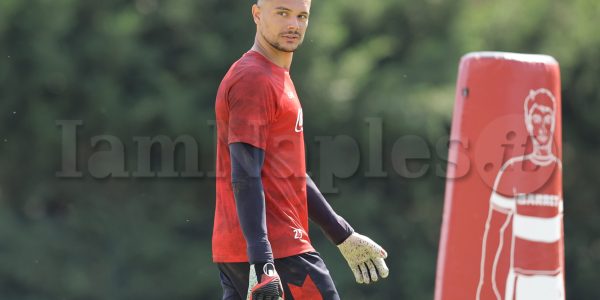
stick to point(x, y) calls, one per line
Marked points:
point(144, 68)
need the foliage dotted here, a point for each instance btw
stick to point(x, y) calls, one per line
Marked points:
point(147, 67)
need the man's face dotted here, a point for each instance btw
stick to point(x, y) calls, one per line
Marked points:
point(282, 23)
point(541, 121)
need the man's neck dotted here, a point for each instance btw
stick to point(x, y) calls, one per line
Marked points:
point(542, 151)
point(280, 58)
point(542, 155)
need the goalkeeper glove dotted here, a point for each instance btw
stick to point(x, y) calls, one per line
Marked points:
point(267, 286)
point(365, 258)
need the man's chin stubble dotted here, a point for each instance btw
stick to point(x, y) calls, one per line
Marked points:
point(280, 48)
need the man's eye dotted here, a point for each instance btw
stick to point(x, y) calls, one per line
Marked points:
point(282, 13)
point(303, 17)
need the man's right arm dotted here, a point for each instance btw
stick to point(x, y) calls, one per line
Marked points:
point(494, 244)
point(246, 166)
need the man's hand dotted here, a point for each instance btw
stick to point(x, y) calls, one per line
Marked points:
point(365, 258)
point(267, 286)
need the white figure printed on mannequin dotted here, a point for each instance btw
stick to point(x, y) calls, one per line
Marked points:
point(524, 224)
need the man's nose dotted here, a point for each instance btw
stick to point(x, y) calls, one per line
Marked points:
point(293, 23)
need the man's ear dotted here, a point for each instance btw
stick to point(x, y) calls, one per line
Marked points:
point(256, 13)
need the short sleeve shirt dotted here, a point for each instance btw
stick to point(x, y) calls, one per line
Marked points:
point(537, 225)
point(257, 104)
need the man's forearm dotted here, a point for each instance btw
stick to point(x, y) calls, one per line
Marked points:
point(335, 227)
point(246, 164)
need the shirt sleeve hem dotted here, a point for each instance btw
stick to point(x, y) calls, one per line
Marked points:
point(251, 142)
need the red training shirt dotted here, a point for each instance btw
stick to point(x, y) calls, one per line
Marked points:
point(257, 104)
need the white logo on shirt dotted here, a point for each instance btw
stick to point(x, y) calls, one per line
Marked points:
point(290, 95)
point(538, 200)
point(297, 233)
point(299, 122)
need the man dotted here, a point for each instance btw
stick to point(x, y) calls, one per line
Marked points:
point(264, 197)
point(527, 197)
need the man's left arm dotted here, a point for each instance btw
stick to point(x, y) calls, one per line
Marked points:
point(364, 256)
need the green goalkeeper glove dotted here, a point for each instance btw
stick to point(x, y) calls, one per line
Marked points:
point(365, 258)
